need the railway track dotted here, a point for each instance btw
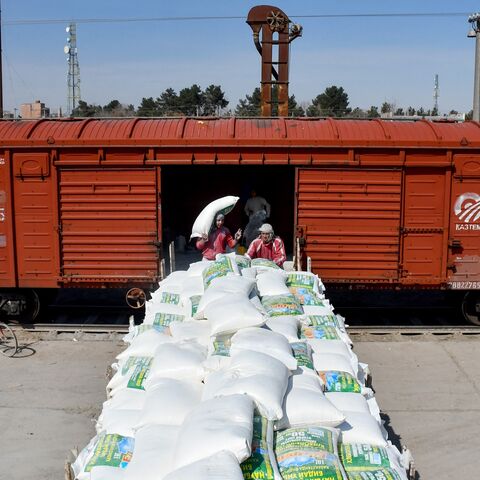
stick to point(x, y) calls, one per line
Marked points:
point(49, 330)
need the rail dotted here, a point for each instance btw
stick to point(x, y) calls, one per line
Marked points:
point(353, 331)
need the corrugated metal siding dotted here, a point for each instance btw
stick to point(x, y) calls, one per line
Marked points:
point(35, 221)
point(424, 216)
point(351, 220)
point(7, 265)
point(108, 224)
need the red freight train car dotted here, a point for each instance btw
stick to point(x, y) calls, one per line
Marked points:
point(88, 203)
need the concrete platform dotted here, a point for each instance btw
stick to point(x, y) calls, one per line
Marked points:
point(428, 390)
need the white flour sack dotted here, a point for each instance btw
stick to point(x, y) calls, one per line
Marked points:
point(152, 458)
point(144, 345)
point(205, 220)
point(120, 421)
point(219, 466)
point(260, 376)
point(232, 313)
point(169, 401)
point(264, 341)
point(180, 360)
point(362, 428)
point(272, 283)
point(218, 424)
point(105, 457)
point(223, 287)
point(305, 404)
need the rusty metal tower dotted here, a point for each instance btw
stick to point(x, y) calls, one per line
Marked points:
point(272, 34)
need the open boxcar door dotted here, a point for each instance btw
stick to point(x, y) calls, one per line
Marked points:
point(349, 222)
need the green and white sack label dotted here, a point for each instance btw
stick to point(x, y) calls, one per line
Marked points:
point(307, 297)
point(323, 321)
point(258, 465)
point(219, 268)
point(138, 376)
point(304, 438)
point(300, 280)
point(163, 319)
point(278, 305)
point(336, 381)
point(133, 362)
point(170, 298)
point(303, 354)
point(242, 262)
point(382, 474)
point(264, 262)
point(195, 301)
point(307, 453)
point(111, 450)
point(360, 456)
point(221, 346)
point(319, 333)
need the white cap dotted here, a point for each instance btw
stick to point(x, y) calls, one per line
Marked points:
point(266, 228)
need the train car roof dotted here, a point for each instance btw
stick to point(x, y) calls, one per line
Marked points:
point(238, 131)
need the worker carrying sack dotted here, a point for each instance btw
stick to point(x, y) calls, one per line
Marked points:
point(204, 221)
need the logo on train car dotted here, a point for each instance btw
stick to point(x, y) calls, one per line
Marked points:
point(467, 210)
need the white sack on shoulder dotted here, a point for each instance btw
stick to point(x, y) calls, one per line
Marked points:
point(260, 376)
point(219, 466)
point(232, 313)
point(264, 341)
point(177, 360)
point(153, 454)
point(306, 405)
point(218, 424)
point(205, 219)
point(168, 401)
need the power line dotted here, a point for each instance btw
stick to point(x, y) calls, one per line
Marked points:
point(48, 21)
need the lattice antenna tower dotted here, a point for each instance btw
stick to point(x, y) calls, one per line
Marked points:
point(73, 75)
point(436, 94)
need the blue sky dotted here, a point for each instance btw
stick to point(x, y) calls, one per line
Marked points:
point(375, 59)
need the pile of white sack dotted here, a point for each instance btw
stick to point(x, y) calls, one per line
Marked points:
point(240, 370)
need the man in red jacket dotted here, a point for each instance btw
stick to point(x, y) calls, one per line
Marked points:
point(267, 245)
point(218, 239)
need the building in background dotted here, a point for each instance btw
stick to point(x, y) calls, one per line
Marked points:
point(36, 109)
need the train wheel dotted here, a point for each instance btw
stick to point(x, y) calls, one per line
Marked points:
point(21, 306)
point(135, 298)
point(33, 307)
point(471, 307)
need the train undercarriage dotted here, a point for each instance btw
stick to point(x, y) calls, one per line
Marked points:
point(24, 305)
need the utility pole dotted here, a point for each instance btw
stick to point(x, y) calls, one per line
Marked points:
point(474, 32)
point(73, 76)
